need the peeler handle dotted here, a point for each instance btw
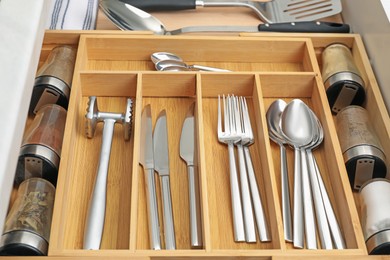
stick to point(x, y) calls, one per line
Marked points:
point(97, 205)
point(162, 5)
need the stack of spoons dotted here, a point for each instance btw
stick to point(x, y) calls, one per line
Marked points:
point(166, 61)
point(295, 124)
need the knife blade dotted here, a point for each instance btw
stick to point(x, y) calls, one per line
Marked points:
point(161, 160)
point(187, 153)
point(147, 161)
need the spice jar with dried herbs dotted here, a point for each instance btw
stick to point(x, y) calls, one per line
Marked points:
point(27, 227)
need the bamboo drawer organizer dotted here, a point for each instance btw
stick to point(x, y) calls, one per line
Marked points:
point(114, 66)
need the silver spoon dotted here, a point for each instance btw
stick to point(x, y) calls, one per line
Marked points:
point(162, 64)
point(323, 225)
point(297, 128)
point(274, 113)
point(167, 65)
point(338, 239)
point(158, 56)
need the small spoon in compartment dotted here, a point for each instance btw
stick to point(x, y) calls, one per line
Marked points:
point(166, 59)
point(159, 56)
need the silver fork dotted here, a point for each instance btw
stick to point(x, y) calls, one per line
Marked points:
point(241, 137)
point(228, 136)
point(248, 140)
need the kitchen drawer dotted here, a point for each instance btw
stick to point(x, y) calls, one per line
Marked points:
point(115, 66)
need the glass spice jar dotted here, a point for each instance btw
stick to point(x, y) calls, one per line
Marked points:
point(342, 79)
point(40, 152)
point(54, 79)
point(375, 215)
point(363, 153)
point(27, 227)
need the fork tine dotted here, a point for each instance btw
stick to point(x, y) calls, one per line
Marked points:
point(219, 116)
point(247, 121)
point(242, 115)
point(232, 120)
point(236, 115)
point(226, 115)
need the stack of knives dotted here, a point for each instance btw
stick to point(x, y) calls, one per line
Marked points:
point(154, 156)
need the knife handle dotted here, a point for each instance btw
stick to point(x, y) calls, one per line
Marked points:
point(169, 229)
point(194, 201)
point(151, 200)
point(162, 5)
point(312, 26)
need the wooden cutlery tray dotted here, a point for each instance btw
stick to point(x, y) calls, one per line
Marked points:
point(264, 67)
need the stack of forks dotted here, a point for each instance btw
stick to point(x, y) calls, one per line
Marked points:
point(246, 201)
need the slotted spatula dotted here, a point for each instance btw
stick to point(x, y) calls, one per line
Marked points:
point(275, 11)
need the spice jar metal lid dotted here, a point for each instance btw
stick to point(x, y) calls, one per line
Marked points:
point(37, 161)
point(49, 90)
point(23, 243)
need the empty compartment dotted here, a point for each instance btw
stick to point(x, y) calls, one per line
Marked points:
point(174, 93)
point(78, 168)
point(217, 163)
point(309, 89)
point(105, 52)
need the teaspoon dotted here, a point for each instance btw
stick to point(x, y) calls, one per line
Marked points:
point(162, 64)
point(273, 115)
point(296, 125)
point(338, 239)
point(158, 56)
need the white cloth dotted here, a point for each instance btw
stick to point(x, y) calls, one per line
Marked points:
point(72, 14)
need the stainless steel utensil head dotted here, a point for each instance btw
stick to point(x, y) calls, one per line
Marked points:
point(160, 145)
point(187, 138)
point(278, 11)
point(128, 17)
point(146, 144)
point(91, 117)
point(127, 119)
point(273, 116)
point(158, 56)
point(296, 123)
point(165, 65)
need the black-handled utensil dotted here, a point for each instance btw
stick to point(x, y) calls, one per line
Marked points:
point(280, 11)
point(128, 17)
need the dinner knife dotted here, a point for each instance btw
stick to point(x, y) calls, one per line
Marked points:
point(187, 153)
point(147, 161)
point(161, 165)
